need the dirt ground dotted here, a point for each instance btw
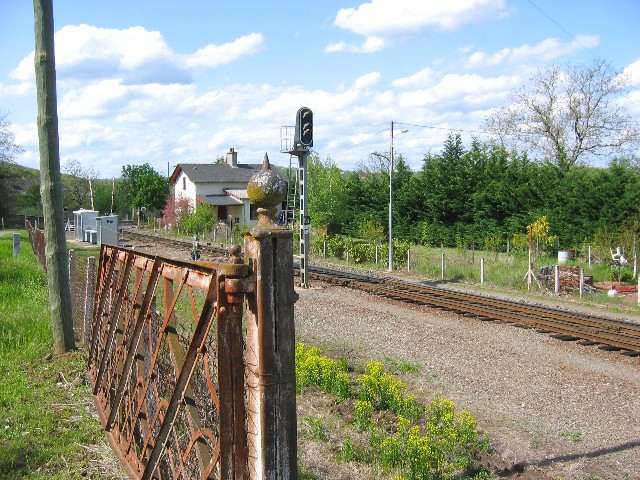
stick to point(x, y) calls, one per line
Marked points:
point(553, 409)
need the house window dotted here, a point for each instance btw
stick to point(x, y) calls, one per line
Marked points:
point(253, 212)
point(184, 183)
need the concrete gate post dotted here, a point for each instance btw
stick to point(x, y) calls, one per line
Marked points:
point(270, 350)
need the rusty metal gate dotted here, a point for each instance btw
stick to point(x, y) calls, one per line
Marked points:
point(192, 364)
point(166, 364)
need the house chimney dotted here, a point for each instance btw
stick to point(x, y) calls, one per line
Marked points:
point(232, 158)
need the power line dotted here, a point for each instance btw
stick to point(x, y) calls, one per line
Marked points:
point(572, 36)
point(367, 138)
point(444, 128)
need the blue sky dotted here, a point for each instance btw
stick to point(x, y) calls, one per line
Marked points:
point(167, 82)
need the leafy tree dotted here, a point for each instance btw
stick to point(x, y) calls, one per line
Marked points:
point(142, 186)
point(8, 151)
point(31, 201)
point(327, 196)
point(199, 221)
point(102, 194)
point(569, 113)
point(176, 210)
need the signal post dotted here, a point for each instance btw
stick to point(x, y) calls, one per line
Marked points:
point(302, 142)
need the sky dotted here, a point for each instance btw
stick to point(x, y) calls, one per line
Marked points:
point(166, 82)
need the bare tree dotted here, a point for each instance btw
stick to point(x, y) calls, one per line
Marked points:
point(50, 181)
point(568, 114)
point(8, 147)
point(76, 183)
point(8, 151)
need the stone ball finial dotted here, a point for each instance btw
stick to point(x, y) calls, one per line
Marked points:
point(266, 189)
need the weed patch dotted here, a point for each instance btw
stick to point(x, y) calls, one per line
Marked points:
point(391, 429)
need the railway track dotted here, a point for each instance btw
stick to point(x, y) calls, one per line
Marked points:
point(606, 333)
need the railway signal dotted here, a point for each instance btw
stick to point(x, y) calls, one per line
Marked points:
point(304, 127)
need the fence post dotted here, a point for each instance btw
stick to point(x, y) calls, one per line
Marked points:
point(270, 349)
point(72, 275)
point(408, 260)
point(88, 300)
point(16, 244)
point(556, 277)
point(581, 282)
point(442, 267)
point(482, 271)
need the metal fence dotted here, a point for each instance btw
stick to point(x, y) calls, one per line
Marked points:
point(82, 280)
point(163, 371)
point(192, 365)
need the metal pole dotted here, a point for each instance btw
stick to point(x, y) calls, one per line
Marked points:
point(442, 267)
point(556, 275)
point(482, 271)
point(391, 201)
point(304, 219)
point(16, 244)
point(581, 282)
point(590, 266)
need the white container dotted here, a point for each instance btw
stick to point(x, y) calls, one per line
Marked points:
point(563, 257)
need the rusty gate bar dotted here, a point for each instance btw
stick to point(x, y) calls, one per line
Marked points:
point(170, 391)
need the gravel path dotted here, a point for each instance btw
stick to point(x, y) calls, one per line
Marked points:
point(552, 408)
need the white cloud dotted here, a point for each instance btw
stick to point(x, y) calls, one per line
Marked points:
point(547, 50)
point(369, 80)
point(633, 72)
point(213, 56)
point(421, 78)
point(387, 22)
point(135, 55)
point(466, 91)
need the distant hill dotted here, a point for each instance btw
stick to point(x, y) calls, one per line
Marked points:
point(23, 178)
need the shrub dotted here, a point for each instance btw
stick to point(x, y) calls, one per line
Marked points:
point(386, 392)
point(313, 369)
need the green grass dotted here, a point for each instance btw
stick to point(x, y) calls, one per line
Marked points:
point(47, 430)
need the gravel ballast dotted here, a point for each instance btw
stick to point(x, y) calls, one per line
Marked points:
point(553, 409)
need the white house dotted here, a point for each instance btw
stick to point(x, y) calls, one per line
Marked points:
point(223, 186)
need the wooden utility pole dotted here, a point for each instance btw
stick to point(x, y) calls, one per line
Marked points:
point(50, 179)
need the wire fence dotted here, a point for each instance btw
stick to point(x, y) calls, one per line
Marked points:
point(82, 281)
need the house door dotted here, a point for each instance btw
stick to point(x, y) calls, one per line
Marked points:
point(222, 212)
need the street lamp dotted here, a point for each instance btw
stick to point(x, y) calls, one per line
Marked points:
point(390, 160)
point(390, 206)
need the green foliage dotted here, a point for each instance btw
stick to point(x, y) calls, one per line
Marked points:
point(438, 449)
point(203, 219)
point(314, 369)
point(485, 194)
point(363, 410)
point(314, 428)
point(46, 421)
point(327, 195)
point(385, 392)
point(436, 441)
point(22, 280)
point(371, 229)
point(142, 186)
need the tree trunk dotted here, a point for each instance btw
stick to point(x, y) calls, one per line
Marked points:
point(50, 179)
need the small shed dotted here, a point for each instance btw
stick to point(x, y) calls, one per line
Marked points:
point(83, 220)
point(107, 227)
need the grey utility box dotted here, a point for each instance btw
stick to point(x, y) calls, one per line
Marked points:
point(107, 227)
point(83, 220)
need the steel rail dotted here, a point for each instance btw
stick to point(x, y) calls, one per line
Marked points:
point(618, 334)
point(128, 234)
point(612, 333)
